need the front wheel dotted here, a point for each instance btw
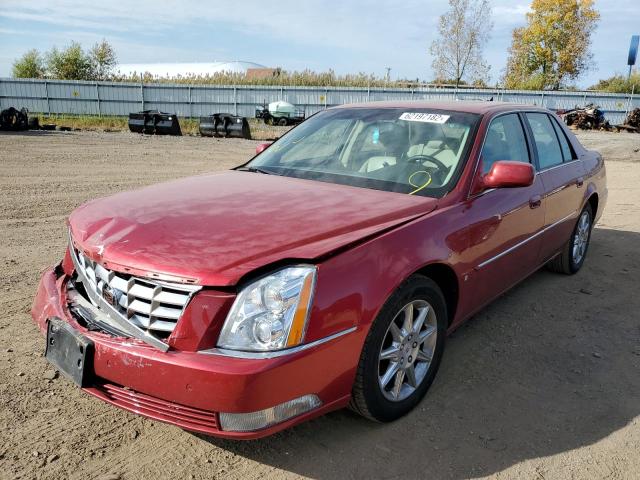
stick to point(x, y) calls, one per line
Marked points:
point(572, 257)
point(402, 351)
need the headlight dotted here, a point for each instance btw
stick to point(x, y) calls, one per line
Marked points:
point(271, 313)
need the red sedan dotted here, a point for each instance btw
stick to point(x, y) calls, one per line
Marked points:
point(324, 273)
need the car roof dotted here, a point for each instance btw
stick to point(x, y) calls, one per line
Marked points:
point(478, 107)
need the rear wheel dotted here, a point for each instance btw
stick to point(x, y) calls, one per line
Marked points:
point(282, 122)
point(573, 254)
point(402, 352)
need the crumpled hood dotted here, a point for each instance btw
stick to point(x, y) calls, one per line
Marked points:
point(213, 229)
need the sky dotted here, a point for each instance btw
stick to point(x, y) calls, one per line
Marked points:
point(348, 36)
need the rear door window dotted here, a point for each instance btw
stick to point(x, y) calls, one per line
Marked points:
point(546, 140)
point(505, 141)
point(567, 152)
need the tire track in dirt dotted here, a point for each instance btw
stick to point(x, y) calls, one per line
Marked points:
point(520, 393)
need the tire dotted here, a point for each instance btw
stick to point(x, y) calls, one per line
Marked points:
point(282, 122)
point(567, 261)
point(381, 402)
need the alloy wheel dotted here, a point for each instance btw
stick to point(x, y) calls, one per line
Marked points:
point(581, 237)
point(407, 350)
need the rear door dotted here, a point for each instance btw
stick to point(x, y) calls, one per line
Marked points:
point(561, 174)
point(505, 223)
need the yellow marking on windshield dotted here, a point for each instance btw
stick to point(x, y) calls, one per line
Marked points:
point(417, 186)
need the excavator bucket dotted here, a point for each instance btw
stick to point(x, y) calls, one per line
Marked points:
point(224, 125)
point(154, 122)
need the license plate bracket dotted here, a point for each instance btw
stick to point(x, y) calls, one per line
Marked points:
point(69, 351)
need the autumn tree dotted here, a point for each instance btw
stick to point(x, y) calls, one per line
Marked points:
point(463, 32)
point(553, 48)
point(30, 65)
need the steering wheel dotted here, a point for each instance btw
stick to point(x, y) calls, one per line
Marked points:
point(422, 157)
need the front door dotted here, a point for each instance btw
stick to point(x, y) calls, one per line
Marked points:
point(506, 222)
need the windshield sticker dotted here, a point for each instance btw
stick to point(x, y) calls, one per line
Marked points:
point(424, 117)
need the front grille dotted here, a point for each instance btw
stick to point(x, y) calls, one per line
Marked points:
point(153, 306)
point(186, 417)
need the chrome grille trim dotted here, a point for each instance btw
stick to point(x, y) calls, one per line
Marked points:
point(143, 308)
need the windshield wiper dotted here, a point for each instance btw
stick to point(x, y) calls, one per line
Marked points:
point(257, 170)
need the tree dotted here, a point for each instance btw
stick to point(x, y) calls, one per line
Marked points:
point(553, 48)
point(104, 61)
point(619, 84)
point(463, 32)
point(30, 65)
point(72, 63)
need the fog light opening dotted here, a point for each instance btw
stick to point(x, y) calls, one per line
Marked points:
point(249, 422)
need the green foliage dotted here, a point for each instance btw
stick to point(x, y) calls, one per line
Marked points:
point(535, 81)
point(30, 65)
point(451, 81)
point(305, 78)
point(619, 84)
point(71, 63)
point(103, 60)
point(189, 126)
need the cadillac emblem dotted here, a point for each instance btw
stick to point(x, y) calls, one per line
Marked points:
point(111, 295)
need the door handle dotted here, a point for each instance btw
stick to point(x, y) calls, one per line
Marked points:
point(535, 201)
point(579, 182)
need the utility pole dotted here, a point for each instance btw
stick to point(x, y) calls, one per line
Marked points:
point(388, 76)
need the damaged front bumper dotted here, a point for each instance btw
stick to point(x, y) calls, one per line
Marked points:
point(190, 389)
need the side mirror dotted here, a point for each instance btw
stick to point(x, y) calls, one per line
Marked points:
point(509, 174)
point(262, 147)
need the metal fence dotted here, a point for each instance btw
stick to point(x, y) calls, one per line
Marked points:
point(112, 98)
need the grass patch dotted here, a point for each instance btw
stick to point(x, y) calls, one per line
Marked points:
point(189, 126)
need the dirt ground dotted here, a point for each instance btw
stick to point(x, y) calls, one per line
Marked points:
point(543, 384)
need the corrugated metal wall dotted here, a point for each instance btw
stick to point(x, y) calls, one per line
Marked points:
point(107, 98)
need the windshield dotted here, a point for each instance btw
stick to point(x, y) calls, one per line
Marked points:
point(411, 151)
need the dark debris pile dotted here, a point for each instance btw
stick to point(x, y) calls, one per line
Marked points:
point(632, 123)
point(589, 117)
point(14, 119)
